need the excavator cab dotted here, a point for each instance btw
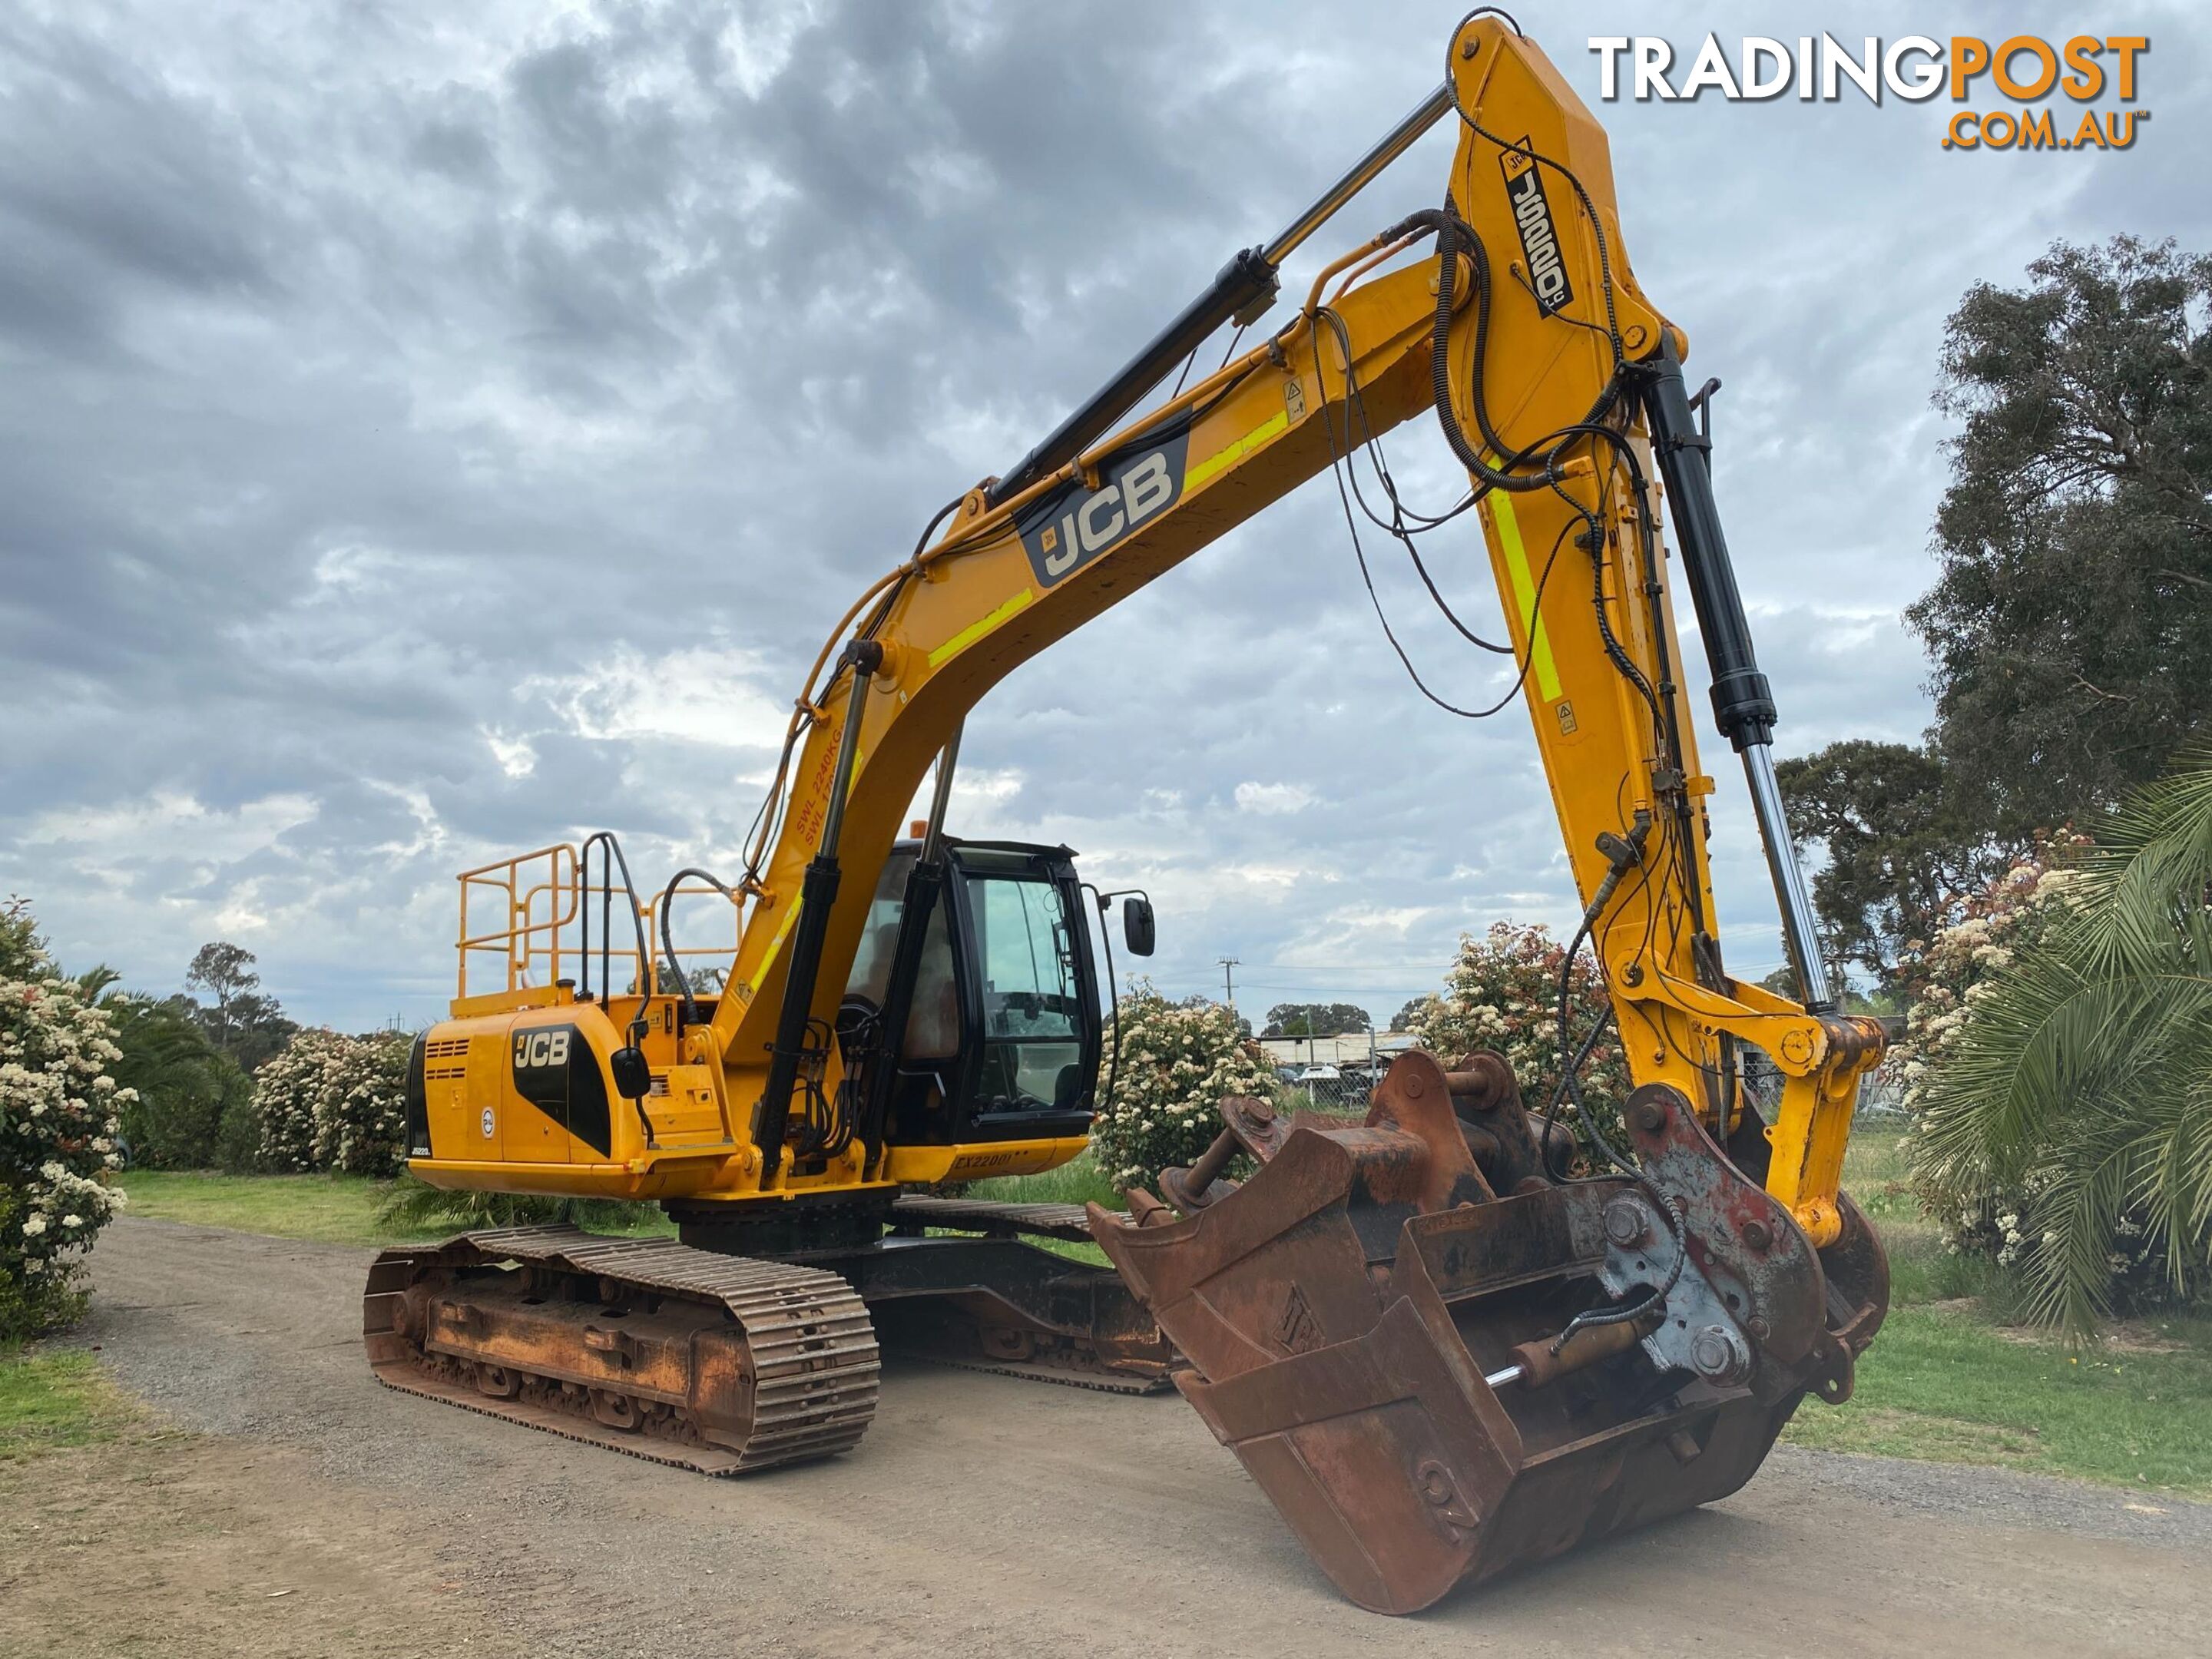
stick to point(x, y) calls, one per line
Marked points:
point(1003, 1027)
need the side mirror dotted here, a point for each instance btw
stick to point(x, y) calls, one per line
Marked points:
point(1137, 927)
point(632, 1077)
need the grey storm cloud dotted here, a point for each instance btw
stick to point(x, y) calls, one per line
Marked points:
point(427, 433)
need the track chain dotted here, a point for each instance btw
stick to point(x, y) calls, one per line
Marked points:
point(1068, 1222)
point(812, 1347)
point(1099, 1382)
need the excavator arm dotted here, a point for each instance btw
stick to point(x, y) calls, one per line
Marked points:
point(1513, 316)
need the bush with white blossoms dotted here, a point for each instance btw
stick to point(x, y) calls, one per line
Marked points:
point(58, 1108)
point(285, 1090)
point(1944, 979)
point(332, 1102)
point(1948, 977)
point(1940, 975)
point(1501, 993)
point(361, 1124)
point(1178, 1063)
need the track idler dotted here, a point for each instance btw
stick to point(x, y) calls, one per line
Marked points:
point(1439, 1362)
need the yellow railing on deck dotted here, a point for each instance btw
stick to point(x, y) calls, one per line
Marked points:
point(513, 913)
point(522, 929)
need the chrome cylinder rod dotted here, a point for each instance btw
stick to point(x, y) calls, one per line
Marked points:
point(1242, 291)
point(941, 797)
point(1395, 143)
point(1801, 935)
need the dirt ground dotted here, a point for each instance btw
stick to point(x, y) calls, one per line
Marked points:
point(297, 1508)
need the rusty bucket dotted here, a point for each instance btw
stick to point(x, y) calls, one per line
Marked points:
point(1439, 1361)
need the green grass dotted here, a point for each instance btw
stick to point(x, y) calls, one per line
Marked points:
point(1076, 1182)
point(334, 1209)
point(1945, 1384)
point(331, 1209)
point(338, 1209)
point(56, 1398)
point(1949, 1381)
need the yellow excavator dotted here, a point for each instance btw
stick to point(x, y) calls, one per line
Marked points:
point(1437, 1341)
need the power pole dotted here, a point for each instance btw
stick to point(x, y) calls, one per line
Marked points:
point(1229, 981)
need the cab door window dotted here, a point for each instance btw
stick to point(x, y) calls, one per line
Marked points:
point(1032, 997)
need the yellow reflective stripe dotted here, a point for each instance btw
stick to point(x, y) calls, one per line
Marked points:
point(982, 625)
point(1524, 594)
point(767, 957)
point(1222, 458)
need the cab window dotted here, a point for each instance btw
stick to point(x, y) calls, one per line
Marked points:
point(1031, 998)
point(933, 1022)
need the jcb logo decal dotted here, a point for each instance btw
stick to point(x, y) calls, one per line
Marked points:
point(558, 1072)
point(1540, 237)
point(1072, 525)
point(534, 1049)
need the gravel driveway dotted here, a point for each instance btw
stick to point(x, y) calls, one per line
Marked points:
point(986, 1516)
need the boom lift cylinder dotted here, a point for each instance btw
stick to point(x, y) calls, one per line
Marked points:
point(1243, 291)
point(925, 889)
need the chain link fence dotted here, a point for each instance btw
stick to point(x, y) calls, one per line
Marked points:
point(1881, 1096)
point(1327, 1088)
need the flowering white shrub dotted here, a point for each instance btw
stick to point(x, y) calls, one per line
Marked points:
point(1940, 975)
point(58, 1128)
point(1178, 1063)
point(1501, 993)
point(360, 1122)
point(285, 1090)
point(330, 1102)
point(1948, 977)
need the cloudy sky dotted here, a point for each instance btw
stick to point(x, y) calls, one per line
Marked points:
point(431, 431)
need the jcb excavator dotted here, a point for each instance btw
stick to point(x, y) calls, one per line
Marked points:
point(1439, 1349)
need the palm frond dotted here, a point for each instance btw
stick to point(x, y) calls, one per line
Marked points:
point(414, 1205)
point(2083, 1074)
point(2149, 872)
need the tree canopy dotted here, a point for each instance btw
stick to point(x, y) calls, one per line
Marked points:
point(1899, 848)
point(2071, 622)
point(2067, 1096)
point(241, 1021)
point(1298, 1019)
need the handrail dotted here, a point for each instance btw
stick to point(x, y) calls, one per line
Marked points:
point(541, 931)
point(523, 937)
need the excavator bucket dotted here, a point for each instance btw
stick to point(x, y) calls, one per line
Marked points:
point(1382, 1323)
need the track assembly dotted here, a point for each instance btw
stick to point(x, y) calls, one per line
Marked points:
point(724, 1364)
